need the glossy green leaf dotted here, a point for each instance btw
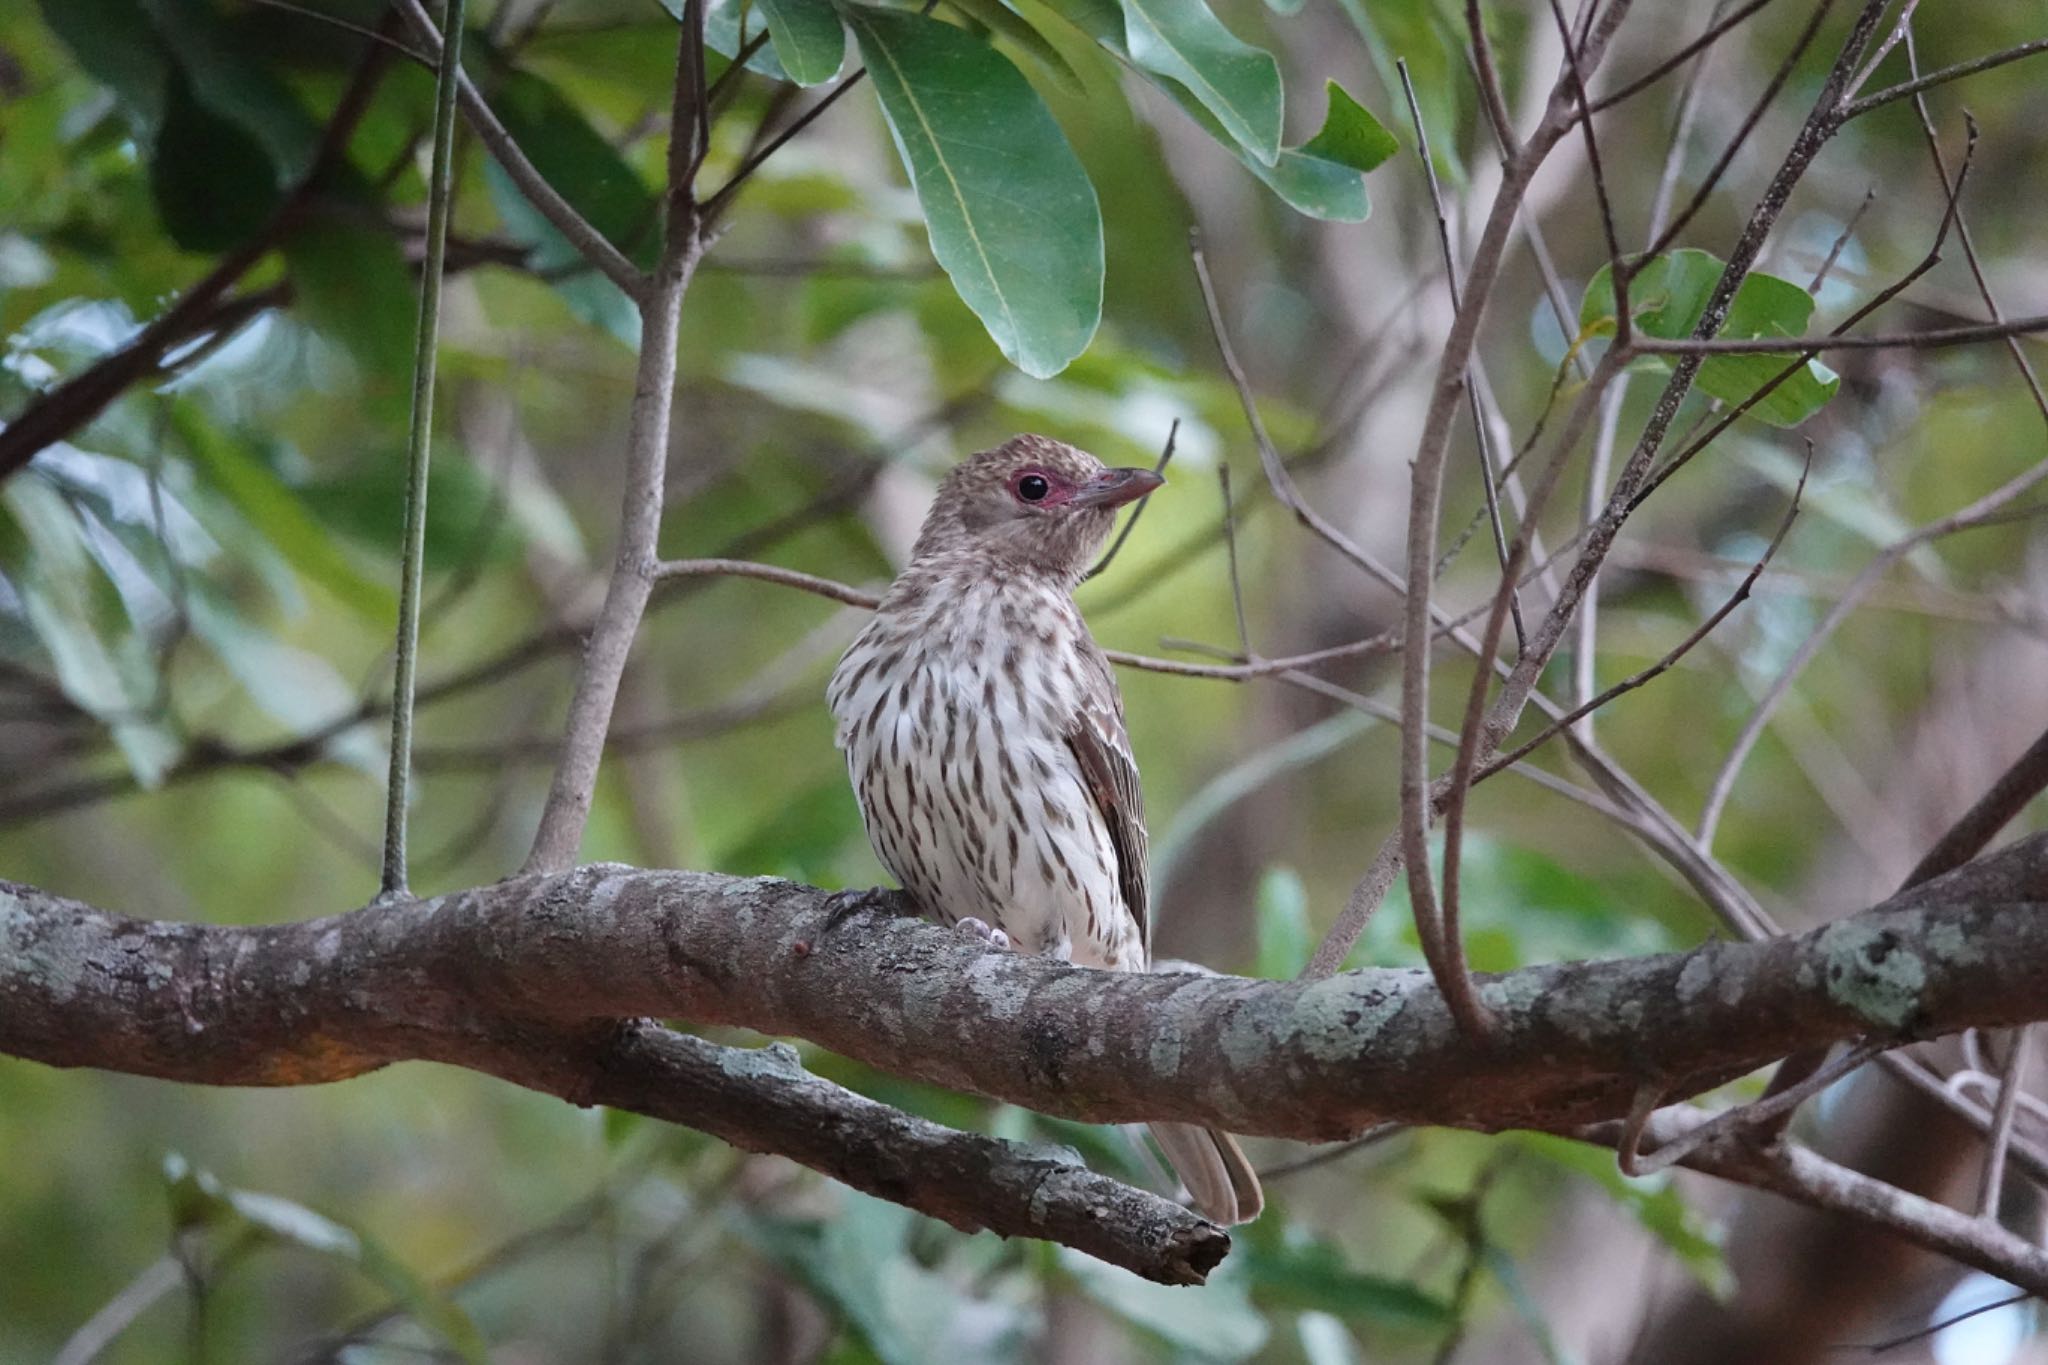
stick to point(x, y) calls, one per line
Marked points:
point(100, 662)
point(589, 296)
point(199, 1197)
point(999, 19)
point(351, 282)
point(1350, 135)
point(808, 37)
point(236, 81)
point(465, 519)
point(1323, 184)
point(580, 163)
point(1668, 296)
point(1238, 83)
point(858, 1263)
point(1012, 217)
point(1419, 33)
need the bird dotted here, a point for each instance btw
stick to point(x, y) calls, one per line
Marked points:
point(984, 736)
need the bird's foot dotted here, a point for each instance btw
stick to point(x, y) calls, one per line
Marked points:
point(983, 930)
point(841, 906)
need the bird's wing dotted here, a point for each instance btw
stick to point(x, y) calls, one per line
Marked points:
point(1103, 749)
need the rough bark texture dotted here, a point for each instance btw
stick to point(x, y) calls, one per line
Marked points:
point(445, 979)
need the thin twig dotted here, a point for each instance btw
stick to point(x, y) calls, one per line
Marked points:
point(1488, 80)
point(1443, 239)
point(1932, 339)
point(1244, 634)
point(574, 784)
point(1741, 137)
point(1677, 652)
point(2010, 1083)
point(716, 206)
point(591, 244)
point(1820, 276)
point(1921, 84)
point(1713, 34)
point(426, 347)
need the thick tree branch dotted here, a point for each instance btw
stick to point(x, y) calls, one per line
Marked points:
point(541, 981)
point(444, 979)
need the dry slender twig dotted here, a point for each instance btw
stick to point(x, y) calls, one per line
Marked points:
point(1677, 652)
point(1736, 142)
point(1715, 31)
point(2011, 1081)
point(1481, 443)
point(1921, 84)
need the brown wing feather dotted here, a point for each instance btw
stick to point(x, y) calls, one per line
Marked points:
point(1103, 749)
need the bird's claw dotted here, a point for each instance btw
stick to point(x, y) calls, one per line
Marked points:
point(983, 930)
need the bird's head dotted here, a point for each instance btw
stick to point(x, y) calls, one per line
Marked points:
point(1032, 505)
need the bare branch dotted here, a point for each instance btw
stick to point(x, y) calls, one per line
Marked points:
point(634, 563)
point(1920, 84)
point(560, 213)
point(1932, 339)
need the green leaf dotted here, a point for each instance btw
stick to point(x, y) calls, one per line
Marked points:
point(999, 19)
point(200, 1198)
point(233, 79)
point(282, 516)
point(808, 37)
point(1668, 296)
point(295, 687)
point(214, 185)
point(101, 664)
point(1433, 45)
point(1350, 135)
point(589, 296)
point(1318, 184)
point(858, 1263)
point(728, 26)
point(1285, 939)
point(580, 163)
point(115, 43)
point(1314, 1276)
point(1215, 1321)
point(352, 284)
point(1012, 217)
point(365, 505)
point(1236, 82)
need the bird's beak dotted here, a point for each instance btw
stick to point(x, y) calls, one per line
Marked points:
point(1115, 487)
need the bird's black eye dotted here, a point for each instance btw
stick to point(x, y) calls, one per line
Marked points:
point(1033, 487)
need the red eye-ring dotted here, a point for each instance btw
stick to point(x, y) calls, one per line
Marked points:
point(1033, 487)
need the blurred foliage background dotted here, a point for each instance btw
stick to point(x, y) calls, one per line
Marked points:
point(197, 589)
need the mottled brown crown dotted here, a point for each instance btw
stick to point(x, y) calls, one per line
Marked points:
point(978, 519)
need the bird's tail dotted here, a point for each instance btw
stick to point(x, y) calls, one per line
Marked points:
point(1221, 1184)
